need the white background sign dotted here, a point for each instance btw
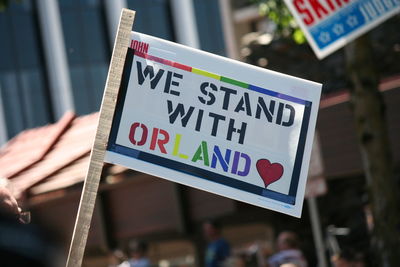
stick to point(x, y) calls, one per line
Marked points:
point(331, 24)
point(215, 124)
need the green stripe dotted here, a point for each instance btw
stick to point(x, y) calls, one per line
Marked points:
point(234, 82)
point(205, 73)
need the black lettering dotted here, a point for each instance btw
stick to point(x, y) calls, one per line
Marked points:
point(203, 89)
point(268, 112)
point(232, 129)
point(170, 82)
point(199, 120)
point(148, 71)
point(217, 118)
point(179, 110)
point(244, 104)
point(280, 114)
point(291, 116)
point(228, 92)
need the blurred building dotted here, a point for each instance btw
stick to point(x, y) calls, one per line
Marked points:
point(55, 54)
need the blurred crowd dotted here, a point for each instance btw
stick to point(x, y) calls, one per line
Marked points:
point(24, 244)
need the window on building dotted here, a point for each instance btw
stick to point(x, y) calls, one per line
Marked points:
point(153, 17)
point(209, 26)
point(23, 88)
point(88, 52)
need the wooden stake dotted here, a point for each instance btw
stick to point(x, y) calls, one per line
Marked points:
point(91, 184)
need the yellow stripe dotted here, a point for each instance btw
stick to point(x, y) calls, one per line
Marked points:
point(206, 73)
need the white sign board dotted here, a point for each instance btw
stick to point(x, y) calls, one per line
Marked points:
point(331, 24)
point(214, 124)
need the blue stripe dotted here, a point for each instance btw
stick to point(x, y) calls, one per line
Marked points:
point(279, 95)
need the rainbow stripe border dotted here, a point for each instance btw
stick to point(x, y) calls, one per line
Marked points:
point(223, 78)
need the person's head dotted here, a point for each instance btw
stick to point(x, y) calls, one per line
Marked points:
point(287, 240)
point(343, 259)
point(348, 258)
point(211, 230)
point(137, 249)
point(289, 264)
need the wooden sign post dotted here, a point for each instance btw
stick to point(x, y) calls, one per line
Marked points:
point(91, 184)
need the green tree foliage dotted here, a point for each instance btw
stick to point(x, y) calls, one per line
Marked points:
point(286, 26)
point(3, 4)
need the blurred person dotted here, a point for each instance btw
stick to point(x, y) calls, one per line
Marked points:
point(348, 258)
point(241, 260)
point(24, 244)
point(288, 251)
point(218, 249)
point(290, 264)
point(116, 257)
point(137, 251)
point(359, 260)
point(339, 261)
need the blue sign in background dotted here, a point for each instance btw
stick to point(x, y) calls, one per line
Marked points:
point(349, 19)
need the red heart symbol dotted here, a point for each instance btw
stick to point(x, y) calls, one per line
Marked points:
point(269, 172)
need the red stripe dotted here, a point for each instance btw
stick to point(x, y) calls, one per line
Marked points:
point(140, 54)
point(164, 61)
point(161, 60)
point(182, 67)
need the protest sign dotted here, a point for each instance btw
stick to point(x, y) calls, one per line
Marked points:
point(214, 124)
point(331, 24)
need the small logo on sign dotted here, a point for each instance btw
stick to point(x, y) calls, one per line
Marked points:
point(141, 47)
point(269, 172)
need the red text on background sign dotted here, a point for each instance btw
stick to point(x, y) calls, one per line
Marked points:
point(314, 10)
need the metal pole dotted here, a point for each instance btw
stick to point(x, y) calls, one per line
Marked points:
point(317, 233)
point(229, 32)
point(185, 22)
point(113, 12)
point(55, 56)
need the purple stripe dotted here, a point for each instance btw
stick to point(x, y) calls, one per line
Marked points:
point(279, 95)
